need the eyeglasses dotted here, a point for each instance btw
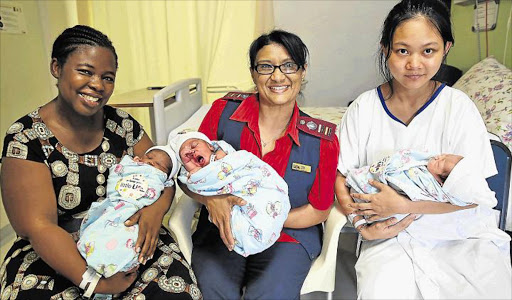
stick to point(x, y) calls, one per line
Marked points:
point(286, 68)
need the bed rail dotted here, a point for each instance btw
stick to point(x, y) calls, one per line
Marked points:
point(187, 96)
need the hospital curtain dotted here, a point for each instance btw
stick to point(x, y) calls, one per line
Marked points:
point(160, 42)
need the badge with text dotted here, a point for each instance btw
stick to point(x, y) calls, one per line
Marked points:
point(132, 187)
point(301, 168)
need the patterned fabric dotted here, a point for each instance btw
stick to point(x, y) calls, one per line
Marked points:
point(78, 181)
point(405, 171)
point(257, 225)
point(322, 192)
point(489, 84)
point(106, 244)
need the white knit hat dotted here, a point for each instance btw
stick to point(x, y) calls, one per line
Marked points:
point(176, 140)
point(172, 155)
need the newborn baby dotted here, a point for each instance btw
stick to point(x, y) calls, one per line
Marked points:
point(418, 175)
point(105, 242)
point(215, 168)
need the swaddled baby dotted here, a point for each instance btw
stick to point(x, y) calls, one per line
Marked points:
point(105, 242)
point(216, 168)
point(418, 175)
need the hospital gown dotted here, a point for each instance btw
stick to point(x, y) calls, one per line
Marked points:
point(257, 225)
point(459, 255)
point(105, 242)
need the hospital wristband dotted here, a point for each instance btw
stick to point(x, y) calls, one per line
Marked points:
point(92, 285)
point(87, 277)
point(89, 281)
point(359, 223)
point(351, 217)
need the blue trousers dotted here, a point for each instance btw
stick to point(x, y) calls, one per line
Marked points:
point(276, 273)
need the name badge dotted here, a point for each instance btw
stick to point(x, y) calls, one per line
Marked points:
point(301, 167)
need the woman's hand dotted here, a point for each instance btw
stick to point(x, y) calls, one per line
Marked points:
point(219, 208)
point(383, 204)
point(116, 283)
point(149, 219)
point(386, 229)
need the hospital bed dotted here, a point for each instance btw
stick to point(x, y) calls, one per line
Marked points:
point(179, 107)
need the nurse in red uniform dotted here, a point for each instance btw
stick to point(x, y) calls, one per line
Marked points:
point(301, 149)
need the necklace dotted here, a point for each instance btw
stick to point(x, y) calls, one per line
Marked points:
point(70, 194)
point(264, 144)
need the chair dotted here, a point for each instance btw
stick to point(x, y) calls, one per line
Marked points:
point(321, 276)
point(500, 183)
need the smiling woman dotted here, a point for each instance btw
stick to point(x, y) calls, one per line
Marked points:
point(56, 162)
point(86, 80)
point(268, 124)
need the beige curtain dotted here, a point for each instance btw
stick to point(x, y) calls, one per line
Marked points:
point(160, 42)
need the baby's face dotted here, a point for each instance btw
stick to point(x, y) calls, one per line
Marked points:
point(195, 154)
point(441, 165)
point(158, 159)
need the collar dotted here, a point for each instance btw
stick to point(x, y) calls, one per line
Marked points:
point(248, 112)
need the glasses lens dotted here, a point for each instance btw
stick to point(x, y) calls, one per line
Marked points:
point(264, 69)
point(289, 68)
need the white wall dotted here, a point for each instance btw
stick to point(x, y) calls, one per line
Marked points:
point(342, 37)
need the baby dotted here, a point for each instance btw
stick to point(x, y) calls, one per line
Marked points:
point(105, 242)
point(215, 168)
point(418, 175)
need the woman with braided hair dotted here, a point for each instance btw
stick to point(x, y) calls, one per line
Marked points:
point(55, 164)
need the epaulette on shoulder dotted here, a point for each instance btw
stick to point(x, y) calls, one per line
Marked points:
point(317, 127)
point(239, 96)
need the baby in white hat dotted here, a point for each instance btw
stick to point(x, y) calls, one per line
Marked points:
point(195, 150)
point(216, 168)
point(105, 242)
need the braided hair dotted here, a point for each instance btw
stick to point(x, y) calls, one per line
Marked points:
point(72, 38)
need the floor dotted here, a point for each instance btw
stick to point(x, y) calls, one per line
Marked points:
point(345, 286)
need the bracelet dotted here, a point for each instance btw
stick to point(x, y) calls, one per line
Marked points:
point(360, 222)
point(92, 285)
point(351, 217)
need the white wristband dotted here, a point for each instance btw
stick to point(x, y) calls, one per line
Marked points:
point(92, 285)
point(351, 217)
point(360, 222)
point(87, 277)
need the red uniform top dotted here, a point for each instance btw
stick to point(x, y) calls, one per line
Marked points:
point(321, 194)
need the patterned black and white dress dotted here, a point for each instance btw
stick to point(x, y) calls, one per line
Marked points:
point(79, 180)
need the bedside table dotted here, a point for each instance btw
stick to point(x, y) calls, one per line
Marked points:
point(139, 104)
